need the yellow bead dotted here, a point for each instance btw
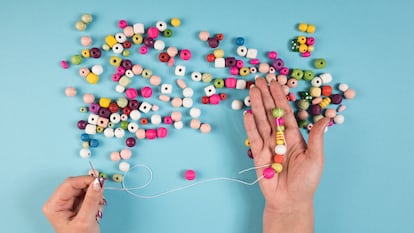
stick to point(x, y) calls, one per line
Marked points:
point(104, 102)
point(115, 61)
point(301, 39)
point(87, 18)
point(311, 28)
point(303, 48)
point(303, 27)
point(175, 22)
point(325, 102)
point(244, 71)
point(110, 40)
point(81, 26)
point(85, 144)
point(247, 142)
point(218, 53)
point(99, 129)
point(137, 39)
point(125, 53)
point(277, 167)
point(315, 91)
point(280, 138)
point(92, 78)
point(86, 53)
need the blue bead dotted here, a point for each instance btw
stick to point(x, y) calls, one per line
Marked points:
point(93, 143)
point(239, 41)
point(85, 137)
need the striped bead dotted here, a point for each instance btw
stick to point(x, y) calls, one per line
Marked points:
point(280, 138)
point(325, 102)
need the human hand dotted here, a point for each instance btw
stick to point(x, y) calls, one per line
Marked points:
point(76, 206)
point(291, 192)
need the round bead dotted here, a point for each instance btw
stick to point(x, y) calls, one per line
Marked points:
point(185, 54)
point(205, 128)
point(278, 158)
point(277, 167)
point(115, 156)
point(302, 115)
point(175, 22)
point(167, 33)
point(70, 91)
point(204, 35)
point(85, 153)
point(315, 109)
point(168, 120)
point(176, 116)
point(140, 134)
point(302, 27)
point(155, 80)
point(176, 102)
point(119, 132)
point(87, 18)
point(319, 63)
point(250, 153)
point(124, 166)
point(156, 119)
point(152, 32)
point(316, 82)
point(150, 134)
point(236, 104)
point(146, 92)
point(86, 41)
point(214, 99)
point(190, 175)
point(239, 41)
point(343, 87)
point(122, 23)
point(268, 173)
point(80, 26)
point(339, 119)
point(117, 178)
point(178, 125)
point(195, 112)
point(130, 142)
point(125, 154)
point(162, 132)
point(213, 42)
point(292, 83)
point(280, 149)
point(349, 94)
point(161, 26)
point(311, 28)
point(131, 93)
point(278, 112)
point(76, 59)
point(336, 99)
point(330, 113)
point(195, 124)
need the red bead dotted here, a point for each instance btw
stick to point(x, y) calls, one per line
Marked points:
point(164, 57)
point(210, 57)
point(205, 100)
point(223, 96)
point(113, 107)
point(326, 90)
point(127, 44)
point(143, 121)
point(126, 110)
point(220, 36)
point(249, 84)
point(130, 142)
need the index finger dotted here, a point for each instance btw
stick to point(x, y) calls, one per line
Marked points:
point(72, 187)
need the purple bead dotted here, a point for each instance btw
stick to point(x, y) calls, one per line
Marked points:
point(82, 124)
point(95, 52)
point(315, 109)
point(104, 112)
point(130, 142)
point(336, 99)
point(127, 64)
point(94, 108)
point(213, 42)
point(250, 153)
point(230, 61)
point(149, 42)
point(133, 104)
point(278, 64)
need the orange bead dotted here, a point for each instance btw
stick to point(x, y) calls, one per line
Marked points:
point(143, 121)
point(220, 36)
point(278, 158)
point(210, 57)
point(326, 90)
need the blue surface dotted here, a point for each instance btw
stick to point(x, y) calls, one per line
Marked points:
point(367, 185)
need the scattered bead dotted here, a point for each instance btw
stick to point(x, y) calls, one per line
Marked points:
point(190, 175)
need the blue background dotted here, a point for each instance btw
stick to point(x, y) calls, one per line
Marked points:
point(367, 184)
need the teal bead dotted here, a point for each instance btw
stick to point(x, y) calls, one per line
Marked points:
point(277, 112)
point(124, 124)
point(76, 59)
point(297, 74)
point(117, 178)
point(303, 104)
point(308, 75)
point(319, 63)
point(218, 83)
point(168, 33)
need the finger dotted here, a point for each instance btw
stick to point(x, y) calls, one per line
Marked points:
point(256, 142)
point(315, 140)
point(268, 101)
point(259, 113)
point(281, 101)
point(92, 203)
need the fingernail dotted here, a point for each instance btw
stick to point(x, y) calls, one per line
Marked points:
point(100, 214)
point(249, 111)
point(101, 181)
point(96, 185)
point(251, 86)
point(105, 202)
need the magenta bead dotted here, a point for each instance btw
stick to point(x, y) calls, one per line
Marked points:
point(284, 71)
point(150, 134)
point(168, 120)
point(230, 82)
point(122, 23)
point(234, 70)
point(272, 55)
point(280, 121)
point(120, 70)
point(310, 41)
point(185, 54)
point(239, 64)
point(116, 77)
point(153, 32)
point(331, 123)
point(268, 173)
point(255, 61)
point(162, 132)
point(130, 142)
point(146, 92)
point(64, 64)
point(143, 50)
point(82, 124)
point(278, 64)
point(131, 93)
point(214, 99)
point(306, 54)
point(291, 96)
point(190, 175)
point(249, 111)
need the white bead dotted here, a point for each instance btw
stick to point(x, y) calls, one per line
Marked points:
point(247, 102)
point(251, 53)
point(253, 70)
point(161, 25)
point(339, 119)
point(343, 87)
point(219, 62)
point(132, 127)
point(159, 45)
point(124, 117)
point(115, 118)
point(109, 133)
point(156, 119)
point(139, 28)
point(124, 81)
point(180, 70)
point(178, 124)
point(187, 102)
point(93, 119)
point(196, 76)
point(129, 73)
point(135, 115)
point(195, 112)
point(118, 48)
point(119, 88)
point(236, 105)
point(120, 37)
point(326, 78)
point(90, 129)
point(145, 107)
point(124, 166)
point(119, 132)
point(166, 88)
point(242, 51)
point(240, 84)
point(188, 92)
point(210, 90)
point(106, 47)
point(97, 69)
point(85, 153)
point(316, 82)
point(280, 149)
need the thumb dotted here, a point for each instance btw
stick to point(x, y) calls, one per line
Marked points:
point(92, 201)
point(315, 140)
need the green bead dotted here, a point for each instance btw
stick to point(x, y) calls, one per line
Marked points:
point(117, 178)
point(294, 45)
point(76, 59)
point(168, 33)
point(146, 73)
point(124, 124)
point(319, 63)
point(103, 175)
point(297, 74)
point(83, 109)
point(277, 112)
point(308, 75)
point(122, 102)
point(218, 83)
point(303, 123)
point(126, 53)
point(303, 104)
point(303, 94)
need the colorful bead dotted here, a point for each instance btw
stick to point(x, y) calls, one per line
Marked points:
point(190, 175)
point(277, 167)
point(319, 63)
point(268, 173)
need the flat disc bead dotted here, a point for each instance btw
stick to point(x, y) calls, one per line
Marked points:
point(278, 112)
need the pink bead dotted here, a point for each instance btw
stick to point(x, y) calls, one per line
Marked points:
point(284, 71)
point(137, 69)
point(70, 91)
point(146, 92)
point(254, 61)
point(155, 80)
point(190, 175)
point(168, 120)
point(125, 154)
point(303, 115)
point(317, 100)
point(172, 51)
point(131, 93)
point(349, 94)
point(140, 134)
point(122, 23)
point(176, 116)
point(150, 134)
point(268, 173)
point(310, 41)
point(64, 64)
point(86, 41)
point(185, 54)
point(155, 108)
point(306, 54)
point(234, 70)
point(204, 35)
point(291, 96)
point(281, 79)
point(341, 108)
point(181, 83)
point(195, 124)
point(230, 82)
point(330, 113)
point(272, 55)
point(120, 70)
point(129, 31)
point(143, 50)
point(152, 32)
point(171, 61)
point(280, 121)
point(115, 156)
point(176, 102)
point(116, 77)
point(205, 128)
point(88, 98)
point(162, 132)
point(214, 99)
